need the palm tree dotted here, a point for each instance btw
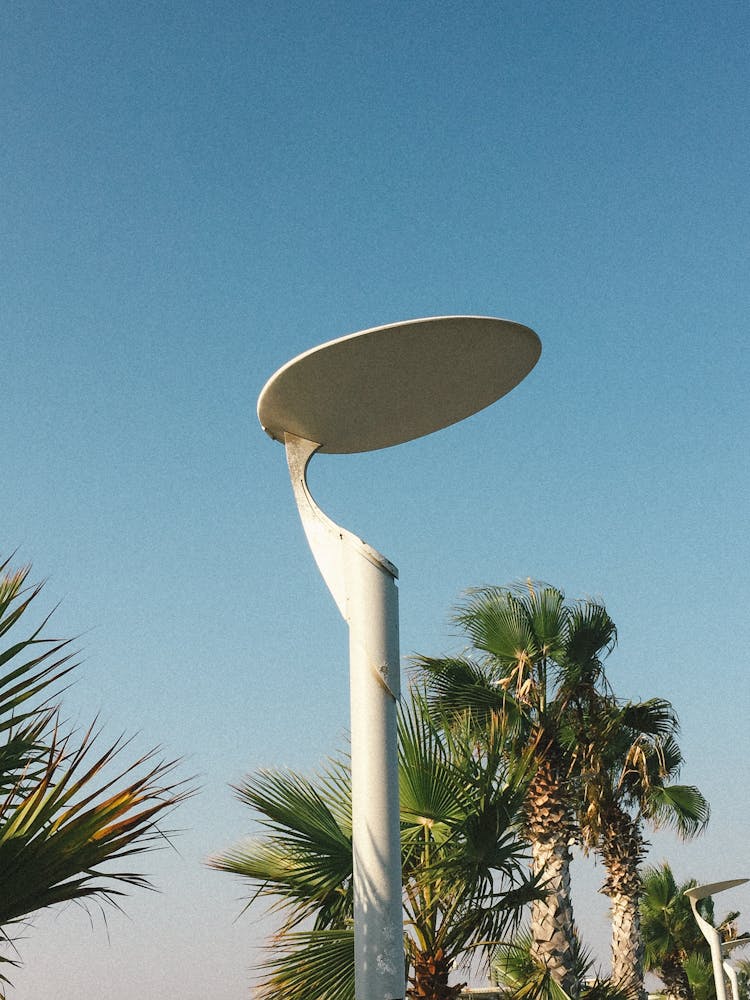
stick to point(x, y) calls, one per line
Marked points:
point(464, 882)
point(541, 660)
point(521, 977)
point(65, 809)
point(626, 756)
point(670, 933)
point(700, 973)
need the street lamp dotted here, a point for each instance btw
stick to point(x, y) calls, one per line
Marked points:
point(719, 949)
point(363, 392)
point(726, 948)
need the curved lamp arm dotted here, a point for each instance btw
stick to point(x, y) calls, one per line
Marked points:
point(732, 976)
point(346, 563)
point(726, 948)
point(711, 934)
point(714, 942)
point(330, 543)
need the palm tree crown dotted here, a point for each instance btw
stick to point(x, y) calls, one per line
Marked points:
point(463, 872)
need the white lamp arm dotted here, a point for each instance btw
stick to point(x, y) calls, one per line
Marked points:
point(714, 941)
point(331, 544)
point(732, 976)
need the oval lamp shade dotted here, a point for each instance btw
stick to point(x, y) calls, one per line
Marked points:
point(394, 383)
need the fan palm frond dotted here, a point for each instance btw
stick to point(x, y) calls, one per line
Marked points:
point(307, 964)
point(679, 807)
point(499, 623)
point(306, 860)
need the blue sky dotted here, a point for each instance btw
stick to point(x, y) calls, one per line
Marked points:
point(194, 193)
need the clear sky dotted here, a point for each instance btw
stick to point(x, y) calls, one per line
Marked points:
point(193, 193)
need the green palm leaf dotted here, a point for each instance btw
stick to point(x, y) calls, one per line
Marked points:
point(432, 791)
point(28, 668)
point(460, 689)
point(69, 813)
point(521, 975)
point(307, 859)
point(655, 717)
point(499, 623)
point(592, 636)
point(545, 607)
point(317, 964)
point(679, 807)
point(55, 838)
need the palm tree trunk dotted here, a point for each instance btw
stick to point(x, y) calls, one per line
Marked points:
point(622, 851)
point(552, 928)
point(676, 981)
point(429, 980)
point(627, 945)
point(548, 830)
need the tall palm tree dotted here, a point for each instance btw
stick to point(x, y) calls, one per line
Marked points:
point(540, 659)
point(464, 879)
point(626, 758)
point(65, 809)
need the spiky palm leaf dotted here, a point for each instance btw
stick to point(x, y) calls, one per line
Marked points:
point(460, 688)
point(305, 863)
point(66, 809)
point(55, 837)
point(680, 807)
point(523, 977)
point(29, 666)
point(700, 973)
point(317, 964)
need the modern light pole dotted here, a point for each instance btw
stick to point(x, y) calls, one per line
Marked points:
point(719, 949)
point(727, 948)
point(363, 392)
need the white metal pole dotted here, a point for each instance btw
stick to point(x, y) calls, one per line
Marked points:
point(363, 584)
point(374, 673)
point(714, 942)
point(717, 961)
point(732, 976)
